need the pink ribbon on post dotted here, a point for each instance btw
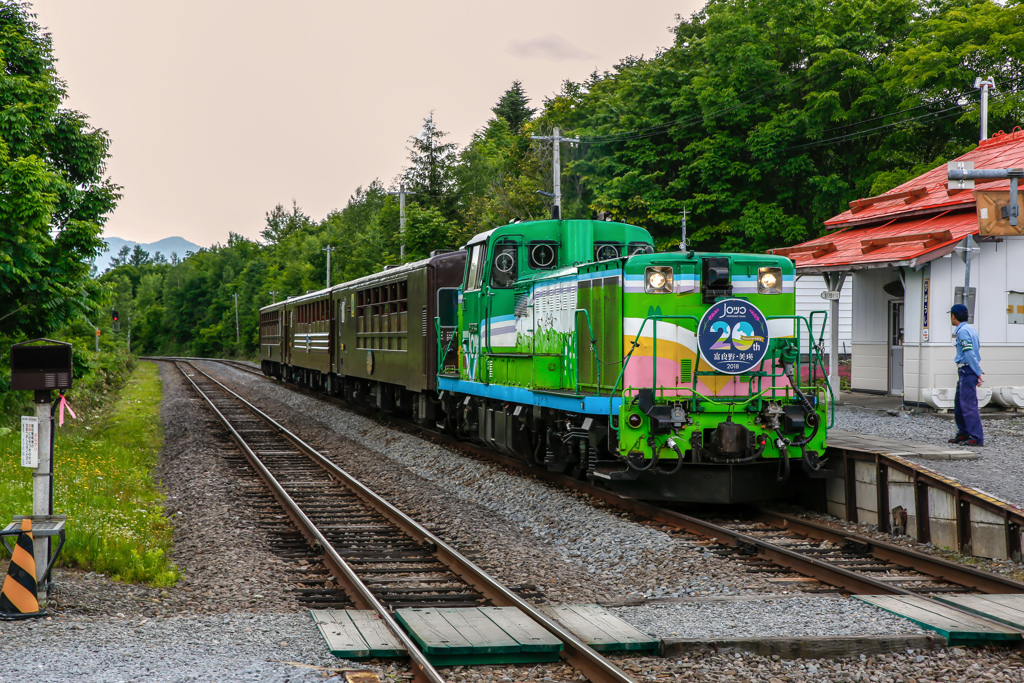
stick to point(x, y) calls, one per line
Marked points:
point(64, 404)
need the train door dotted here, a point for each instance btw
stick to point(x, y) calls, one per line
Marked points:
point(896, 347)
point(472, 312)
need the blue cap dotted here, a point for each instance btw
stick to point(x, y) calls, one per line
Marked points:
point(960, 311)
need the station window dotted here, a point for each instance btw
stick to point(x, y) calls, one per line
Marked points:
point(1015, 308)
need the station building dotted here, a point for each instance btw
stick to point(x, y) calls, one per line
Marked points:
point(903, 258)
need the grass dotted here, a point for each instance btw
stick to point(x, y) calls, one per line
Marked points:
point(103, 482)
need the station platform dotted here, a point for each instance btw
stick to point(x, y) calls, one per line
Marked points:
point(838, 438)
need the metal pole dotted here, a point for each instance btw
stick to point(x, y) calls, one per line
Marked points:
point(273, 295)
point(556, 166)
point(968, 248)
point(42, 504)
point(237, 336)
point(556, 163)
point(834, 282)
point(129, 334)
point(401, 221)
point(984, 84)
point(329, 249)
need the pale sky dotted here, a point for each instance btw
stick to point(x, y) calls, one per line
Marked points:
point(220, 109)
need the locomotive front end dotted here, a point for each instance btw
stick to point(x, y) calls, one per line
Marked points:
point(720, 402)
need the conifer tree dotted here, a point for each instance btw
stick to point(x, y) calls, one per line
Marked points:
point(432, 173)
point(513, 107)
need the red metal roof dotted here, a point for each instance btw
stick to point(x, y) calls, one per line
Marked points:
point(912, 223)
point(1000, 151)
point(909, 241)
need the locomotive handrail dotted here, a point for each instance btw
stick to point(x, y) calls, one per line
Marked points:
point(441, 355)
point(593, 349)
point(635, 343)
point(799, 320)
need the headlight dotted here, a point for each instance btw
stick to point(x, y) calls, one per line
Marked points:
point(658, 280)
point(769, 280)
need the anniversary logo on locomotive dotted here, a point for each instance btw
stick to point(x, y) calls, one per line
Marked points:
point(572, 345)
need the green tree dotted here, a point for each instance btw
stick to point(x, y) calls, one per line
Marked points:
point(513, 108)
point(55, 197)
point(281, 223)
point(431, 174)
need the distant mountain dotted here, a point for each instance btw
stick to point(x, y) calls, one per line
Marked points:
point(166, 246)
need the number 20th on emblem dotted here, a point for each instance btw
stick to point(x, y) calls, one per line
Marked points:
point(733, 336)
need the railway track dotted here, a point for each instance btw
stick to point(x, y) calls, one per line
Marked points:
point(773, 542)
point(382, 558)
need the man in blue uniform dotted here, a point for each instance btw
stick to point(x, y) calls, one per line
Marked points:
point(968, 363)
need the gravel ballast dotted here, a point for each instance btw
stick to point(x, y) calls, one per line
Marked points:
point(604, 553)
point(232, 619)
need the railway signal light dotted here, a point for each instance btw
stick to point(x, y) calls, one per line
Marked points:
point(114, 314)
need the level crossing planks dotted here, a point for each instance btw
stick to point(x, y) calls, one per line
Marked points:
point(955, 625)
point(600, 629)
point(356, 634)
point(478, 635)
point(1006, 609)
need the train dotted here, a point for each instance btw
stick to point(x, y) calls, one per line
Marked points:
point(574, 346)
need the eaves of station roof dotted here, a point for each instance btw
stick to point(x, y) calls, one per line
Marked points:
point(911, 224)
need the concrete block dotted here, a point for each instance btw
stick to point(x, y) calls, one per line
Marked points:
point(865, 472)
point(984, 516)
point(988, 540)
point(867, 497)
point(941, 505)
point(865, 516)
point(899, 477)
point(944, 533)
point(836, 509)
point(835, 490)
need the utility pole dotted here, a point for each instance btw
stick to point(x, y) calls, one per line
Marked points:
point(237, 336)
point(401, 217)
point(273, 294)
point(984, 84)
point(556, 166)
point(682, 245)
point(329, 249)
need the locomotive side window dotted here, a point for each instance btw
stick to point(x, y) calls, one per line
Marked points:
point(543, 255)
point(606, 251)
point(505, 266)
point(475, 272)
point(636, 248)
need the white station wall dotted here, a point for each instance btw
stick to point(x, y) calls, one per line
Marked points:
point(808, 300)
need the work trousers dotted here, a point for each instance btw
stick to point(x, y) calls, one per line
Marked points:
point(968, 417)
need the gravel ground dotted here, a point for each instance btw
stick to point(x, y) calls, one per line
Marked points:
point(570, 548)
point(802, 616)
point(998, 471)
point(230, 619)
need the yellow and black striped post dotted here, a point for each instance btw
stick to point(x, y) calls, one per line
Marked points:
point(18, 599)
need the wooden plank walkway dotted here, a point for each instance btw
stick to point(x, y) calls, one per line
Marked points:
point(957, 627)
point(356, 634)
point(600, 629)
point(478, 635)
point(1006, 609)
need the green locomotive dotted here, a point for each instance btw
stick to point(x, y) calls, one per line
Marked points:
point(669, 376)
point(573, 346)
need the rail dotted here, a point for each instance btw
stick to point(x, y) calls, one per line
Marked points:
point(591, 664)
